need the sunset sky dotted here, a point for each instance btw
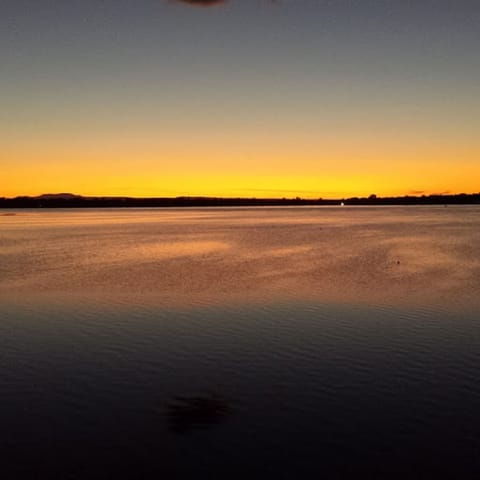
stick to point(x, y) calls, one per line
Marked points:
point(249, 98)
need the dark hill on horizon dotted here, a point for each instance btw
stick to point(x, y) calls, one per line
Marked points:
point(54, 196)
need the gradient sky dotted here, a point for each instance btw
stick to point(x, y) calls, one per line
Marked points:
point(248, 98)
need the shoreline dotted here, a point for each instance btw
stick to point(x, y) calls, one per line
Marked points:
point(77, 201)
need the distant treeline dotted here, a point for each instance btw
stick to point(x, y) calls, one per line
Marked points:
point(77, 201)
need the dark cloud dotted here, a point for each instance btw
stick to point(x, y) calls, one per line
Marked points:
point(207, 3)
point(202, 3)
point(423, 192)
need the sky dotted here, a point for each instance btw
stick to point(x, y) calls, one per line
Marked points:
point(243, 98)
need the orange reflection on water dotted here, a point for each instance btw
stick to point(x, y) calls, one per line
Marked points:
point(425, 255)
point(174, 249)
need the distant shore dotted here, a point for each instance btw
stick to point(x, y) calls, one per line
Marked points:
point(67, 200)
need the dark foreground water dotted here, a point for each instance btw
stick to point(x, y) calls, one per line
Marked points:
point(271, 343)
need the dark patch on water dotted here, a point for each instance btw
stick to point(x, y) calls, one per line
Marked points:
point(187, 413)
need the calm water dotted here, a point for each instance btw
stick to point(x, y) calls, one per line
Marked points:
point(235, 343)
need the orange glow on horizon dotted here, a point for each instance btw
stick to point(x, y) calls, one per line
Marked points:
point(54, 179)
point(331, 167)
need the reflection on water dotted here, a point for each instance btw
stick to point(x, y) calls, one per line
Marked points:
point(197, 256)
point(173, 249)
point(281, 343)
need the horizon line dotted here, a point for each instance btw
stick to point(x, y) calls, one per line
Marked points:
point(372, 196)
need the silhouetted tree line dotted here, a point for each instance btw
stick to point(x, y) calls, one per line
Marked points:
point(75, 201)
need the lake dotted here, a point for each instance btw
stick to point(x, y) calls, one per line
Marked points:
point(332, 342)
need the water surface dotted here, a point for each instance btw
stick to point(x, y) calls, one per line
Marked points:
point(224, 343)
